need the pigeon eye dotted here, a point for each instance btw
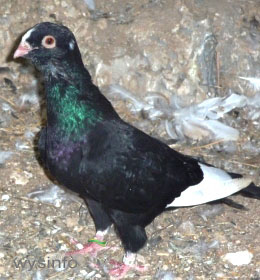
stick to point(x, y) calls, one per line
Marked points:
point(49, 42)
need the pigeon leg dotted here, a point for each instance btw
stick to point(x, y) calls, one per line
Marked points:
point(93, 247)
point(102, 222)
point(119, 270)
point(133, 237)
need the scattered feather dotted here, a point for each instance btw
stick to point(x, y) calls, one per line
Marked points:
point(6, 107)
point(53, 195)
point(91, 4)
point(187, 228)
point(196, 121)
point(154, 106)
point(197, 248)
point(31, 98)
point(254, 82)
point(39, 275)
point(201, 120)
point(254, 101)
point(200, 248)
point(5, 197)
point(214, 244)
point(165, 275)
point(210, 211)
point(138, 105)
point(90, 274)
point(4, 156)
point(29, 134)
point(3, 208)
point(20, 145)
point(171, 130)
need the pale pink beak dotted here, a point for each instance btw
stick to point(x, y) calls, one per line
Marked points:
point(22, 50)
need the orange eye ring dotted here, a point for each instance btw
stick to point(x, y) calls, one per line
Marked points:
point(49, 42)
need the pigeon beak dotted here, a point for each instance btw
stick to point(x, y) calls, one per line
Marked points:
point(23, 49)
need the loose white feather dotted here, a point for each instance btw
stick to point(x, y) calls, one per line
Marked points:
point(127, 95)
point(197, 121)
point(91, 4)
point(215, 185)
point(202, 120)
point(255, 82)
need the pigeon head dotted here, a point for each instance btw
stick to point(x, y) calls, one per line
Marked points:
point(48, 43)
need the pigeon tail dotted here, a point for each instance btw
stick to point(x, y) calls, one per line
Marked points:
point(251, 191)
point(216, 184)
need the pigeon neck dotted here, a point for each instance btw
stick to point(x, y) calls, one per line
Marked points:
point(69, 111)
point(72, 72)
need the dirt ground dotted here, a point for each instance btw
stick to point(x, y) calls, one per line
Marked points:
point(145, 46)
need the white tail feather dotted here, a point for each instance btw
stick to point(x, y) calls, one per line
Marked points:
point(215, 185)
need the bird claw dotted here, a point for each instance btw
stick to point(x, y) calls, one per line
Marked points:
point(119, 269)
point(90, 248)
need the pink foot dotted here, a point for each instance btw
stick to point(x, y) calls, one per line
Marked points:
point(119, 270)
point(91, 248)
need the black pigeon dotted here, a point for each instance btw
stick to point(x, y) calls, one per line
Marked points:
point(127, 177)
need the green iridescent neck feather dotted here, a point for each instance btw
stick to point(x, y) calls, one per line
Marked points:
point(72, 113)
